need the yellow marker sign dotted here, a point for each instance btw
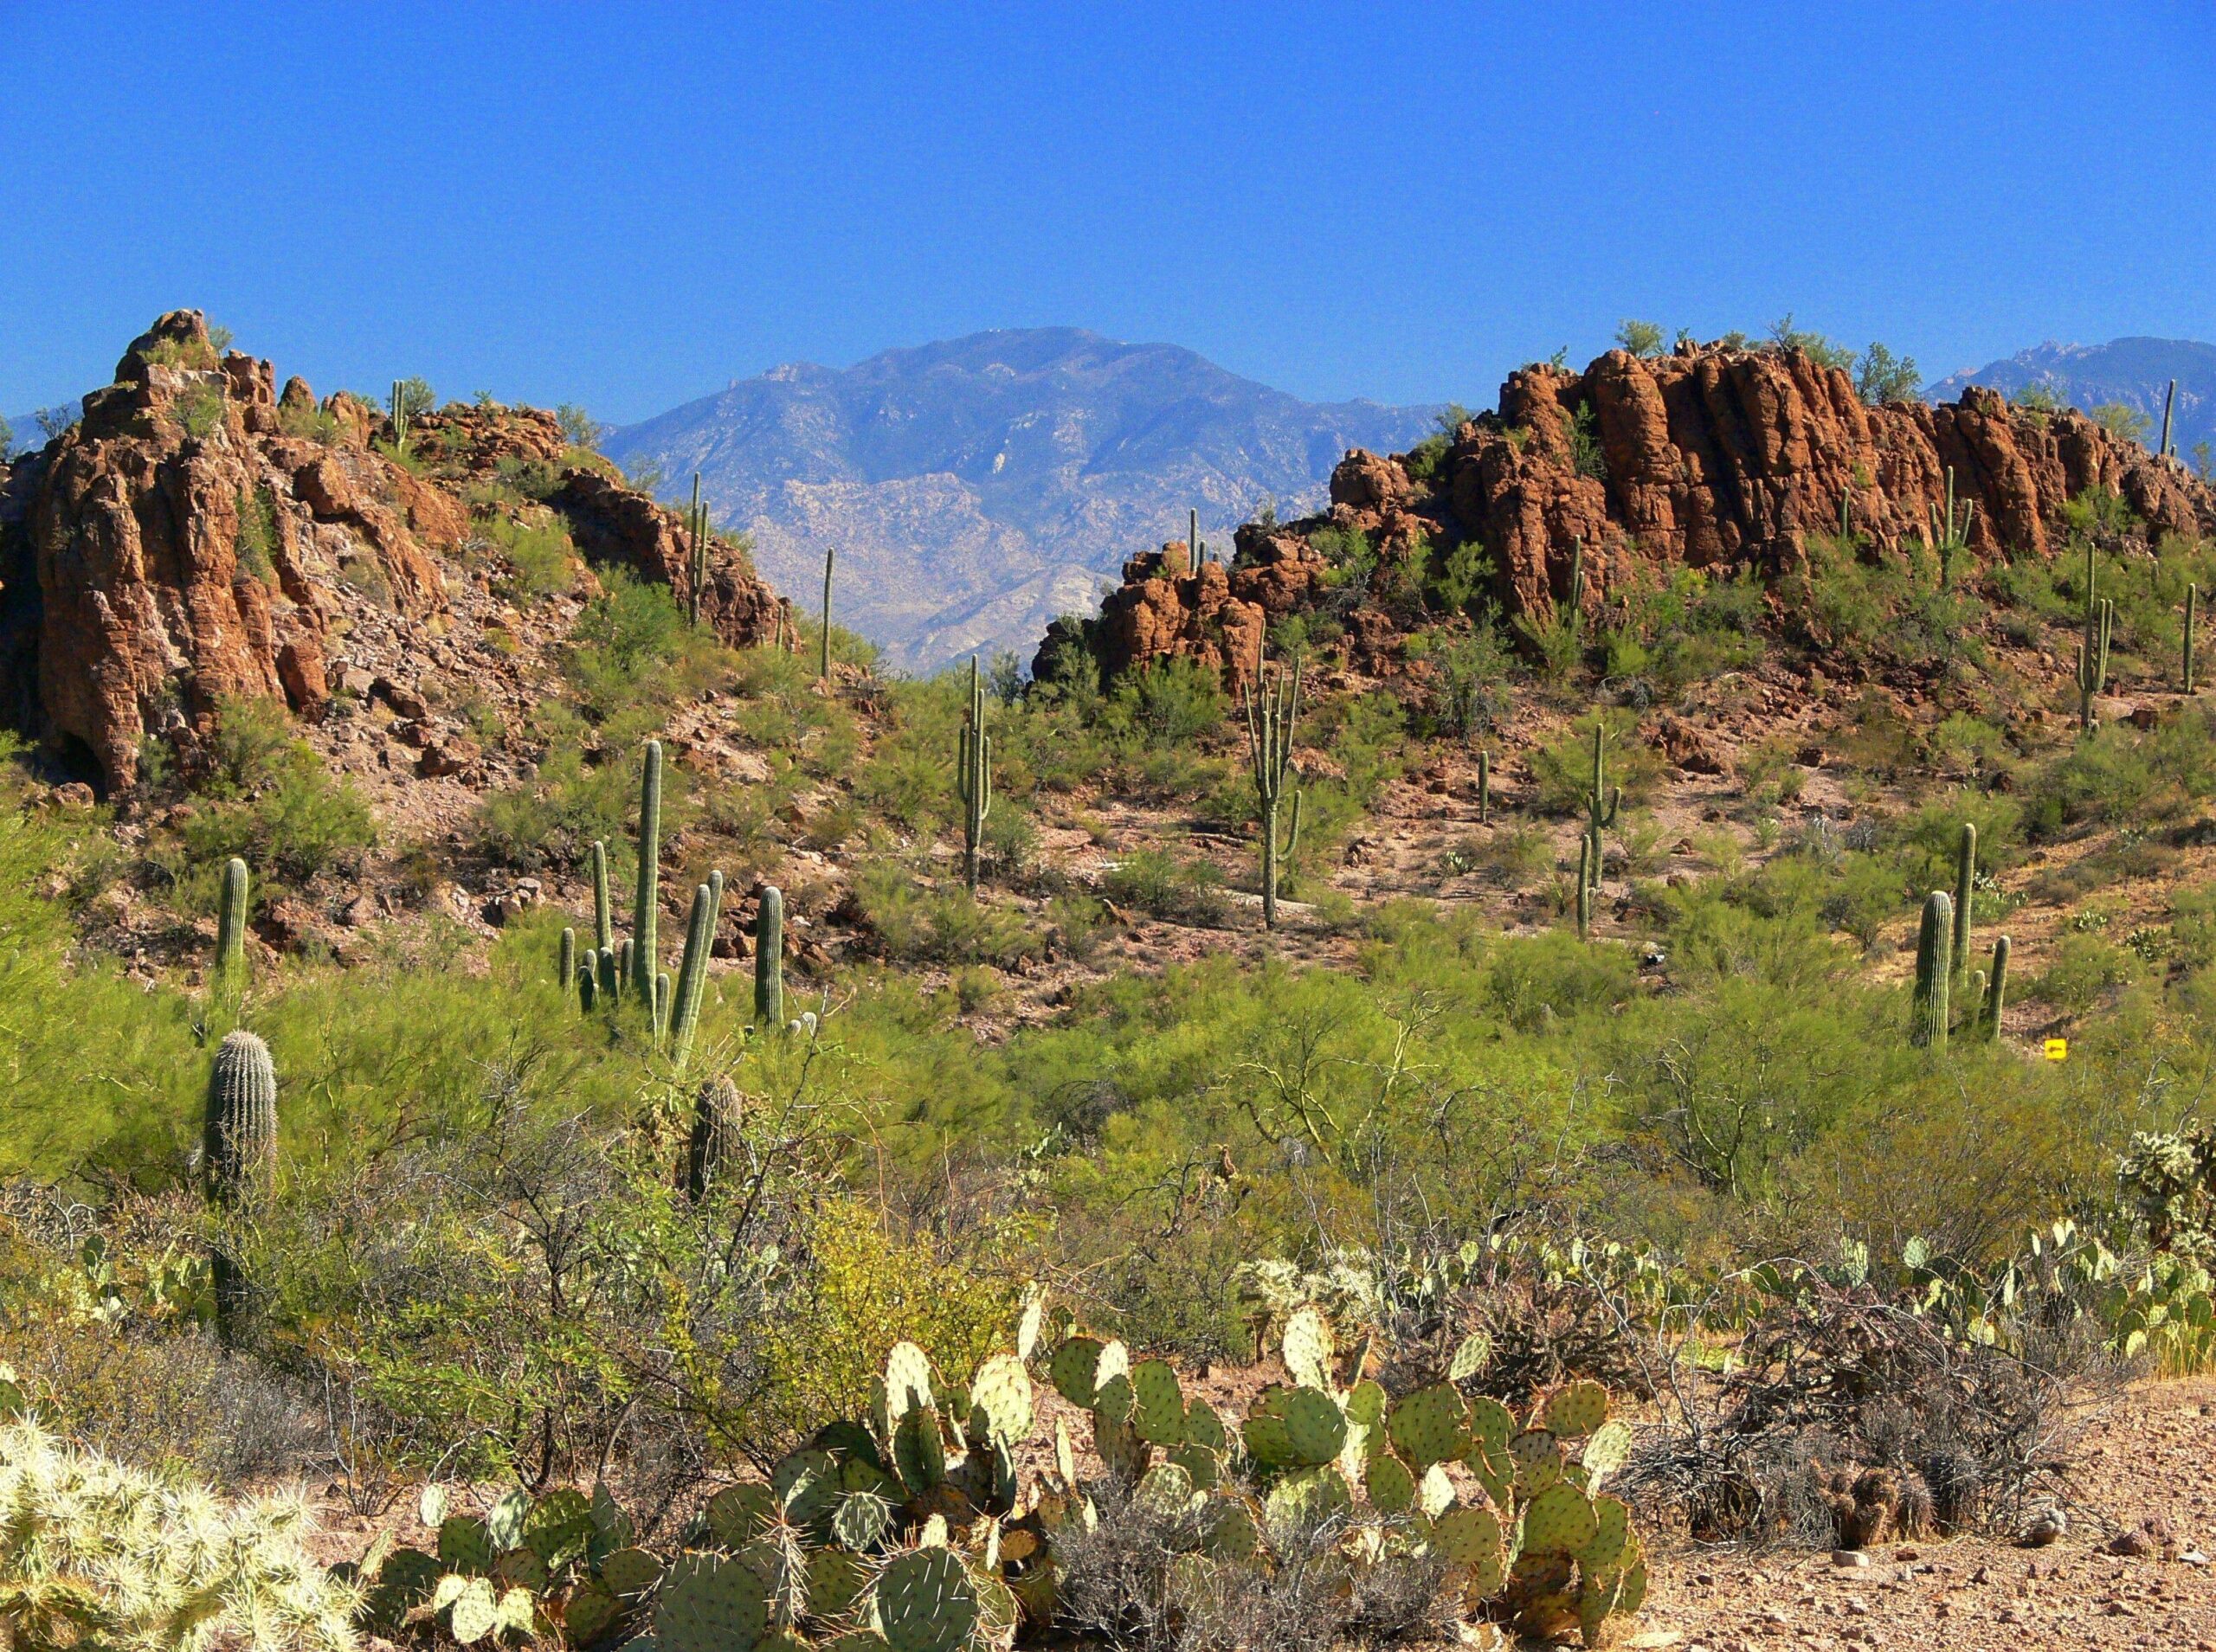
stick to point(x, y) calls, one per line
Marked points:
point(2057, 1049)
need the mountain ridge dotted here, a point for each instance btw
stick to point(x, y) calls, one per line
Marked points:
point(2135, 372)
point(976, 487)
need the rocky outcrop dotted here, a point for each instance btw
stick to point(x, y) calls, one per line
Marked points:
point(1714, 457)
point(1710, 457)
point(611, 523)
point(196, 538)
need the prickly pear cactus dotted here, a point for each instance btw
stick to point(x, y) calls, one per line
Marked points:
point(925, 1601)
point(1159, 1403)
point(1429, 1425)
point(1559, 1521)
point(1001, 1402)
point(1574, 1410)
point(1307, 1349)
point(711, 1602)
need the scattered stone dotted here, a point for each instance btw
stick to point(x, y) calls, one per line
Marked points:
point(1850, 1559)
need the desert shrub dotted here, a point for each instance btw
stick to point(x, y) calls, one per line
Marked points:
point(1158, 883)
point(1167, 703)
point(1472, 674)
point(2083, 969)
point(540, 557)
point(273, 801)
point(916, 924)
point(1563, 769)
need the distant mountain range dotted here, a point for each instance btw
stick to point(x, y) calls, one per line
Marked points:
point(25, 431)
point(976, 488)
point(2134, 371)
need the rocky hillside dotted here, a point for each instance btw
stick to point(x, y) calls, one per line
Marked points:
point(2134, 373)
point(198, 537)
point(976, 488)
point(1710, 458)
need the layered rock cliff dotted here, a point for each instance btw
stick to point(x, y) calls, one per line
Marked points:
point(1711, 457)
point(197, 537)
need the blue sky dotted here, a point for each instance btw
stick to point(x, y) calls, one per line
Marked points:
point(626, 205)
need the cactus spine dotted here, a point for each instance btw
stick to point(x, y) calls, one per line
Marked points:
point(1996, 990)
point(2093, 646)
point(1601, 804)
point(1271, 715)
point(238, 1147)
point(973, 775)
point(1934, 945)
point(1965, 884)
point(770, 960)
point(645, 910)
point(823, 658)
point(1485, 787)
point(230, 924)
point(2192, 617)
point(693, 973)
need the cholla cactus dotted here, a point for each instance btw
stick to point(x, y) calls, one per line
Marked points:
point(2169, 1178)
point(93, 1553)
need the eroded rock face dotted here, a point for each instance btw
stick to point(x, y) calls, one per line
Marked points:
point(1715, 457)
point(610, 523)
point(196, 538)
point(1711, 457)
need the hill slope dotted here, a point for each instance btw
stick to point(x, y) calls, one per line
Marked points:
point(2135, 372)
point(977, 487)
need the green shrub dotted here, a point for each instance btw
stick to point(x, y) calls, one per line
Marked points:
point(1156, 882)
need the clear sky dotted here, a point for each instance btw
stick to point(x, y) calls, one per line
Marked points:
point(627, 205)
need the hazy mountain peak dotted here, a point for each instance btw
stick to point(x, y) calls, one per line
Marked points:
point(977, 487)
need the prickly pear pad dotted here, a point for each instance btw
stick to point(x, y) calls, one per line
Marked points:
point(1427, 1425)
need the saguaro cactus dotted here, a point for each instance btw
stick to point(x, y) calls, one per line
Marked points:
point(693, 973)
point(973, 775)
point(1965, 886)
point(1934, 946)
point(1584, 888)
point(230, 924)
point(1485, 787)
point(1601, 804)
point(1576, 578)
point(823, 660)
point(565, 967)
point(714, 1139)
point(399, 417)
point(603, 914)
point(770, 960)
point(2191, 618)
point(1271, 714)
point(1197, 552)
point(697, 522)
point(238, 1147)
point(646, 908)
point(2093, 646)
point(1996, 991)
point(2169, 403)
point(1950, 537)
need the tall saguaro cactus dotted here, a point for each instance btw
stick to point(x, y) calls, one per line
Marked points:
point(1584, 888)
point(697, 523)
point(823, 658)
point(603, 914)
point(692, 973)
point(2093, 646)
point(2169, 403)
point(2192, 620)
point(1951, 537)
point(1485, 787)
point(1934, 942)
point(770, 960)
point(1965, 886)
point(1996, 991)
point(230, 925)
point(238, 1147)
point(646, 910)
point(1601, 804)
point(714, 1139)
point(973, 775)
point(1272, 708)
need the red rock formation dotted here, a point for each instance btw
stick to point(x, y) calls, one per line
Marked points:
point(612, 523)
point(196, 538)
point(1708, 457)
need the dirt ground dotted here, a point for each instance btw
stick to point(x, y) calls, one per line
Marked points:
point(2150, 1459)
